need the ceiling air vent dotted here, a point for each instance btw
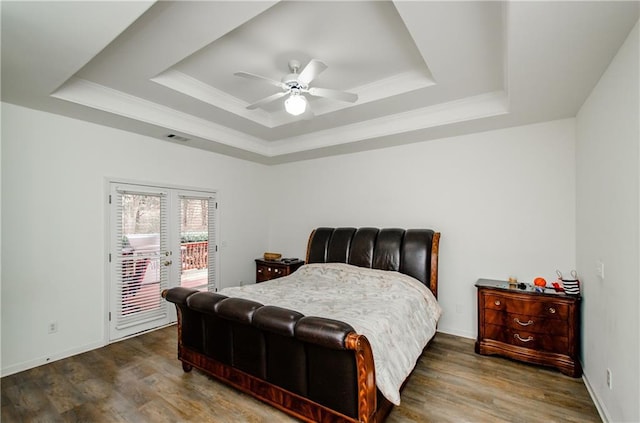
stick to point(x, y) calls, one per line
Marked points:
point(177, 137)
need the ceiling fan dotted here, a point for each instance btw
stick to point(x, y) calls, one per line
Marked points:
point(295, 85)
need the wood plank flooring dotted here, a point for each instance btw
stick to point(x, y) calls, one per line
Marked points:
point(141, 380)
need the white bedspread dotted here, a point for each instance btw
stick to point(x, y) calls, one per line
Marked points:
point(396, 312)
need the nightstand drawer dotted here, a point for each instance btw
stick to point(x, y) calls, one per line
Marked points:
point(529, 307)
point(264, 273)
point(527, 339)
point(534, 324)
point(267, 270)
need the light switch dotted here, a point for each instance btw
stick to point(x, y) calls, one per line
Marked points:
point(600, 269)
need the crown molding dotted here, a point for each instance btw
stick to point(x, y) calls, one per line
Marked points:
point(466, 109)
point(99, 97)
point(192, 87)
point(185, 84)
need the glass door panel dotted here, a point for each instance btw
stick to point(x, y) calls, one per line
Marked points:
point(141, 258)
point(195, 228)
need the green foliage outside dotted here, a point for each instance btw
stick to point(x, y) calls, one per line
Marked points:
point(184, 238)
point(193, 237)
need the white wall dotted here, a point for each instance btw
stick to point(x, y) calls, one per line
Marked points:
point(608, 229)
point(503, 200)
point(53, 223)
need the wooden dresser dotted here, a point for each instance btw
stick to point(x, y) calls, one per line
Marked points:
point(267, 270)
point(522, 324)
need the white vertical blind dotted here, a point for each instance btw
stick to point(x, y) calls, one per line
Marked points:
point(141, 256)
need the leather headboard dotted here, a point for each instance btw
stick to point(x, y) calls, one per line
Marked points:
point(410, 251)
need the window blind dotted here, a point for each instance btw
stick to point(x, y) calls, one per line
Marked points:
point(141, 270)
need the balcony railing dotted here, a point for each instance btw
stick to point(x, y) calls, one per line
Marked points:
point(194, 255)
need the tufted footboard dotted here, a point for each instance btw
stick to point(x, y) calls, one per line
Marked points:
point(316, 369)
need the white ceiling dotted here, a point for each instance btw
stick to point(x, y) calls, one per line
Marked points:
point(422, 69)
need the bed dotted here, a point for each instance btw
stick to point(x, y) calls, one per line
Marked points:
point(315, 367)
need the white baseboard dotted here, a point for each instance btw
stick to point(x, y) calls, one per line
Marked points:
point(26, 365)
point(20, 367)
point(456, 332)
point(602, 410)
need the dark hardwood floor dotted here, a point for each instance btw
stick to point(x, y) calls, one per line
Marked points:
point(141, 380)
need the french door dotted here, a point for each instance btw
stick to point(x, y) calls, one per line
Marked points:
point(159, 238)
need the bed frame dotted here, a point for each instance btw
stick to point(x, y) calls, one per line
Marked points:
point(315, 369)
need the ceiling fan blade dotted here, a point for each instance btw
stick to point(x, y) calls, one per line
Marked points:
point(333, 94)
point(262, 78)
point(311, 71)
point(266, 100)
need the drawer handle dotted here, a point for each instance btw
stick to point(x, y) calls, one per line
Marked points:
point(259, 270)
point(552, 310)
point(497, 302)
point(529, 338)
point(530, 322)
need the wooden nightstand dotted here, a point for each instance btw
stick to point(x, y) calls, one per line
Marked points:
point(267, 270)
point(522, 324)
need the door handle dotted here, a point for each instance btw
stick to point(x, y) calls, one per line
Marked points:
point(168, 263)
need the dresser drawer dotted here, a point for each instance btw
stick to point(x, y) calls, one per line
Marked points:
point(534, 324)
point(528, 307)
point(527, 339)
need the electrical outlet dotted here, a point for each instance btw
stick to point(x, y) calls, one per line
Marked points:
point(609, 379)
point(53, 327)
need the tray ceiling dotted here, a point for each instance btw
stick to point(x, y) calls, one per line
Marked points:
point(421, 70)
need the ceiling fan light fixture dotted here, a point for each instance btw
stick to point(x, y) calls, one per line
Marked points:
point(296, 104)
point(295, 85)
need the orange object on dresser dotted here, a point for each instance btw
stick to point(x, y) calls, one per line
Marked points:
point(540, 282)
